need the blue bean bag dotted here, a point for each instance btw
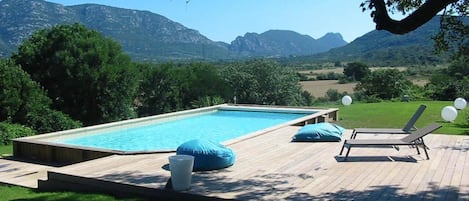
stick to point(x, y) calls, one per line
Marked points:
point(208, 155)
point(320, 132)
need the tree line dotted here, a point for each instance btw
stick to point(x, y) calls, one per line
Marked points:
point(391, 84)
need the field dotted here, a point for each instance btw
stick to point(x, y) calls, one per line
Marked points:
point(319, 88)
point(341, 70)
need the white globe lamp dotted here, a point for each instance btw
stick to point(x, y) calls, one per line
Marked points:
point(460, 103)
point(346, 100)
point(449, 113)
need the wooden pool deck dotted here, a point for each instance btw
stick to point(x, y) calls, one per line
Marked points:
point(22, 173)
point(270, 167)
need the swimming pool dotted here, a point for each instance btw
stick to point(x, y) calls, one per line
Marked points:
point(163, 133)
point(219, 126)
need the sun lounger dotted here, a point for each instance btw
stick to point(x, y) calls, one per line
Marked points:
point(414, 139)
point(410, 126)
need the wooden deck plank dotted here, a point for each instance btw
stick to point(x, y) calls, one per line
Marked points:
point(441, 169)
point(270, 167)
point(22, 173)
point(464, 186)
point(427, 185)
point(457, 175)
point(390, 180)
point(447, 190)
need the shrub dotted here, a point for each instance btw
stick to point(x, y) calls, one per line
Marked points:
point(362, 97)
point(329, 76)
point(344, 80)
point(416, 93)
point(48, 120)
point(10, 131)
point(333, 95)
point(302, 77)
point(207, 101)
point(384, 84)
point(307, 97)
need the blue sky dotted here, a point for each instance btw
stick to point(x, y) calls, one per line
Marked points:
point(224, 20)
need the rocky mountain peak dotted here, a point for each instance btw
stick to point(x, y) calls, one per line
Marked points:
point(284, 42)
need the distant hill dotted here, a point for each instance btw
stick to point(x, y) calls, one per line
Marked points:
point(143, 35)
point(147, 36)
point(384, 48)
point(277, 43)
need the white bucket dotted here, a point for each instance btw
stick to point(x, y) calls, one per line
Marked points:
point(181, 171)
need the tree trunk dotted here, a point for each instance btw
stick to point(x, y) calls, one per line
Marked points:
point(419, 17)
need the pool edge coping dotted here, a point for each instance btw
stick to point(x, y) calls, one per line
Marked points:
point(86, 151)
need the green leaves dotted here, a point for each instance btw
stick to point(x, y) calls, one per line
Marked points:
point(158, 91)
point(263, 82)
point(450, 83)
point(85, 74)
point(10, 131)
point(384, 84)
point(454, 31)
point(23, 101)
point(19, 94)
point(356, 71)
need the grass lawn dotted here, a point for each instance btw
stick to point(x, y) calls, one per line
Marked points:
point(19, 193)
point(6, 150)
point(396, 115)
point(385, 114)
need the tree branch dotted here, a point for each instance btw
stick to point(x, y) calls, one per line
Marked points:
point(419, 17)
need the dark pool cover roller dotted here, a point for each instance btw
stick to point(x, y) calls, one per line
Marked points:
point(208, 155)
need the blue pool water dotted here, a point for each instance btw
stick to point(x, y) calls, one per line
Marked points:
point(218, 126)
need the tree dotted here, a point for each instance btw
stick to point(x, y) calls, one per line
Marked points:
point(422, 12)
point(453, 33)
point(200, 80)
point(356, 71)
point(22, 101)
point(384, 84)
point(86, 75)
point(170, 87)
point(450, 83)
point(19, 94)
point(264, 82)
point(159, 91)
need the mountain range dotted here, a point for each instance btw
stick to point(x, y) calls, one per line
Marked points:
point(279, 43)
point(384, 48)
point(146, 36)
